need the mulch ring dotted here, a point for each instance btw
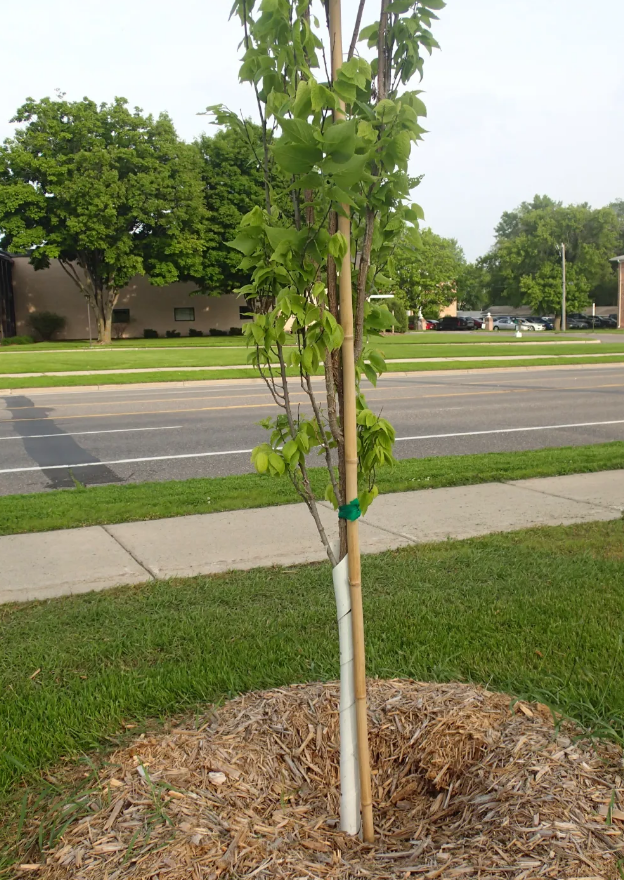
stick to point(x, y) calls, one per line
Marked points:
point(466, 784)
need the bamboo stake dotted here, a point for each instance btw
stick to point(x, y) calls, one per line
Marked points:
point(350, 436)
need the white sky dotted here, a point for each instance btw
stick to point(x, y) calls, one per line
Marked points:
point(526, 96)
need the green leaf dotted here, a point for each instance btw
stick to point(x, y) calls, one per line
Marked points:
point(339, 140)
point(370, 32)
point(330, 496)
point(338, 247)
point(303, 100)
point(366, 131)
point(386, 110)
point(277, 463)
point(296, 158)
point(279, 234)
point(299, 131)
point(244, 243)
point(339, 195)
point(307, 359)
point(261, 462)
point(290, 451)
point(322, 98)
point(349, 173)
point(370, 373)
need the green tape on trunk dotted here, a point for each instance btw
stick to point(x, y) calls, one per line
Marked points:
point(350, 511)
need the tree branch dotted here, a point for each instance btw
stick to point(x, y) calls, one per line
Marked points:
point(367, 245)
point(356, 29)
point(382, 49)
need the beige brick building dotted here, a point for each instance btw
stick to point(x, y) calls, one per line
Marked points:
point(140, 305)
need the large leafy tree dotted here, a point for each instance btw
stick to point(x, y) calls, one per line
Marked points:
point(524, 265)
point(107, 191)
point(473, 287)
point(233, 183)
point(427, 271)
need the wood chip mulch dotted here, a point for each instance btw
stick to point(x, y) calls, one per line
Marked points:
point(466, 784)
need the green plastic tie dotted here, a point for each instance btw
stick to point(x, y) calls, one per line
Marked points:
point(350, 511)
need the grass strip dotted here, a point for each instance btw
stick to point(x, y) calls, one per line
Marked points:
point(250, 373)
point(536, 613)
point(101, 505)
point(184, 357)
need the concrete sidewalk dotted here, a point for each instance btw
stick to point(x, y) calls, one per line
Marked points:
point(48, 564)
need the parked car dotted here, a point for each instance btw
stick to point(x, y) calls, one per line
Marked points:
point(577, 322)
point(478, 323)
point(546, 323)
point(450, 323)
point(432, 324)
point(516, 324)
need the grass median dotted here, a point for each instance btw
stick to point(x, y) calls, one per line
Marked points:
point(18, 360)
point(182, 375)
point(537, 614)
point(102, 505)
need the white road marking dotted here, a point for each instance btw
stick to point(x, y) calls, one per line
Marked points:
point(54, 467)
point(511, 430)
point(82, 433)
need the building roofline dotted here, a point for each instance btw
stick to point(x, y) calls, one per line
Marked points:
point(5, 256)
point(617, 259)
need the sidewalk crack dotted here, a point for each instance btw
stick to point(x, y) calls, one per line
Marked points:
point(564, 497)
point(143, 565)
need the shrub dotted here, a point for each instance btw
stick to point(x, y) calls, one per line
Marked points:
point(47, 324)
point(17, 340)
point(194, 332)
point(118, 329)
point(400, 315)
point(215, 332)
point(172, 334)
point(150, 334)
point(236, 331)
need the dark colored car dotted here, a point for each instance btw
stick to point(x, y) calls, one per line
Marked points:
point(450, 323)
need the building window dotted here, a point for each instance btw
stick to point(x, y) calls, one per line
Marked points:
point(184, 314)
point(244, 313)
point(121, 316)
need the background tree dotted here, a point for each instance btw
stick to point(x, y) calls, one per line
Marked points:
point(473, 287)
point(525, 263)
point(233, 178)
point(427, 271)
point(107, 191)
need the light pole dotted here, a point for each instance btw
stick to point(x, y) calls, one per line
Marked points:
point(563, 288)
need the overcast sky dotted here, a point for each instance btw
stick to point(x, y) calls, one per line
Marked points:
point(526, 96)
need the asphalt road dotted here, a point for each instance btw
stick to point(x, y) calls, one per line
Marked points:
point(122, 435)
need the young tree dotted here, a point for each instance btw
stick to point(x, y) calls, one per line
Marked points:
point(343, 135)
point(108, 192)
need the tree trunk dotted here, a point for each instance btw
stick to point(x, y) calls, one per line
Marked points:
point(105, 300)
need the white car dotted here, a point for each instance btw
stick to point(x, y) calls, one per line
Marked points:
point(516, 324)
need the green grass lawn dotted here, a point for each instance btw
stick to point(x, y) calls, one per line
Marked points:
point(250, 373)
point(17, 360)
point(100, 505)
point(536, 613)
point(428, 338)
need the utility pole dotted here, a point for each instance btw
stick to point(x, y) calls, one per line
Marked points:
point(563, 288)
point(351, 464)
